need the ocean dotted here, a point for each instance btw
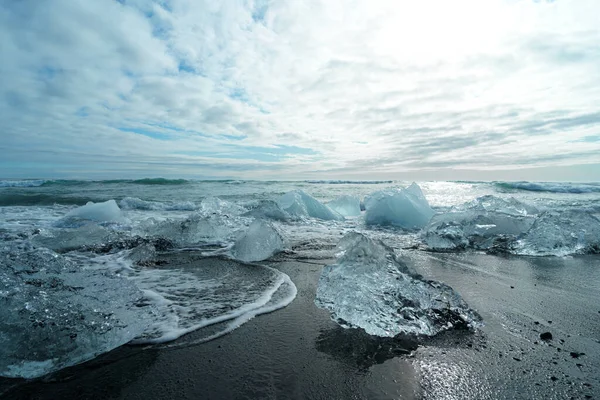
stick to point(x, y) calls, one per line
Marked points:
point(90, 266)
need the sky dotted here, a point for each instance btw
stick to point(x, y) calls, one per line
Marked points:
point(312, 89)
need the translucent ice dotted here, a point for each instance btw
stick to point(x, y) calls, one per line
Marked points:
point(406, 208)
point(348, 206)
point(107, 211)
point(192, 230)
point(491, 203)
point(474, 229)
point(369, 288)
point(258, 243)
point(268, 209)
point(215, 205)
point(564, 233)
point(55, 314)
point(63, 240)
point(486, 223)
point(299, 204)
point(133, 203)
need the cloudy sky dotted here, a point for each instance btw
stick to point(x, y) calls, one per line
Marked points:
point(286, 89)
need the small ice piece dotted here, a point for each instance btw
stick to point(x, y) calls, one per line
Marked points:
point(300, 204)
point(215, 205)
point(268, 209)
point(107, 211)
point(56, 313)
point(192, 230)
point(258, 243)
point(491, 203)
point(561, 234)
point(133, 203)
point(348, 206)
point(405, 208)
point(486, 223)
point(476, 229)
point(370, 288)
point(63, 240)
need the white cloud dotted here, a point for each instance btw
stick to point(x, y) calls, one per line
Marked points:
point(372, 87)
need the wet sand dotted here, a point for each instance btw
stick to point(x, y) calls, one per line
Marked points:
point(299, 353)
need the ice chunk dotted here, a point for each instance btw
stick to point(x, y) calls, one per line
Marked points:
point(133, 203)
point(474, 229)
point(564, 233)
point(369, 288)
point(268, 209)
point(214, 205)
point(107, 211)
point(258, 243)
point(192, 230)
point(491, 203)
point(56, 314)
point(405, 208)
point(64, 240)
point(486, 223)
point(347, 206)
point(300, 204)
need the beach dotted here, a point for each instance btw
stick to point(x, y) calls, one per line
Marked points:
point(298, 352)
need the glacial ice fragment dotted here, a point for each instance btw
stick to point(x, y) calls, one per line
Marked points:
point(300, 204)
point(369, 288)
point(107, 211)
point(215, 205)
point(192, 230)
point(486, 223)
point(56, 314)
point(258, 243)
point(559, 234)
point(268, 209)
point(133, 203)
point(405, 208)
point(347, 206)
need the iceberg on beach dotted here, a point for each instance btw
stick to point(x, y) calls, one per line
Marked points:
point(299, 204)
point(192, 230)
point(498, 225)
point(471, 229)
point(486, 223)
point(405, 208)
point(558, 234)
point(258, 243)
point(370, 288)
point(133, 203)
point(268, 209)
point(107, 211)
point(63, 240)
point(56, 314)
point(215, 205)
point(347, 206)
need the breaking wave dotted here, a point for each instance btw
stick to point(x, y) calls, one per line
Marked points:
point(552, 187)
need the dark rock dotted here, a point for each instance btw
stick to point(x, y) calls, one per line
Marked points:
point(546, 336)
point(516, 359)
point(553, 378)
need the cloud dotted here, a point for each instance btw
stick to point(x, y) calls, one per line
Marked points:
point(280, 89)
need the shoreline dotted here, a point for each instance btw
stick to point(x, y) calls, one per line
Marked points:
point(298, 352)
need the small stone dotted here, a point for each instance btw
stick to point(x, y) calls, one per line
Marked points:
point(575, 354)
point(512, 287)
point(546, 336)
point(553, 378)
point(516, 359)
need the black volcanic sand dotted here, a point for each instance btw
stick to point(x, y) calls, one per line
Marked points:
point(299, 353)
